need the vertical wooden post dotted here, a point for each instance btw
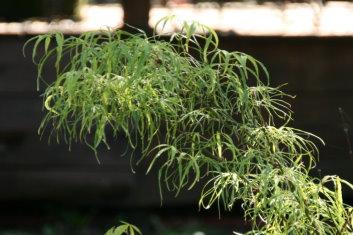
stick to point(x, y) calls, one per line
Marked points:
point(136, 13)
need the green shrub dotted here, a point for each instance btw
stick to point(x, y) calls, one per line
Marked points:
point(202, 112)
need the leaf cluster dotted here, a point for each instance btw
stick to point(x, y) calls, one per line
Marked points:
point(202, 113)
point(124, 228)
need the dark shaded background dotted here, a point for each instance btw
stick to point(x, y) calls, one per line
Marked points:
point(45, 189)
